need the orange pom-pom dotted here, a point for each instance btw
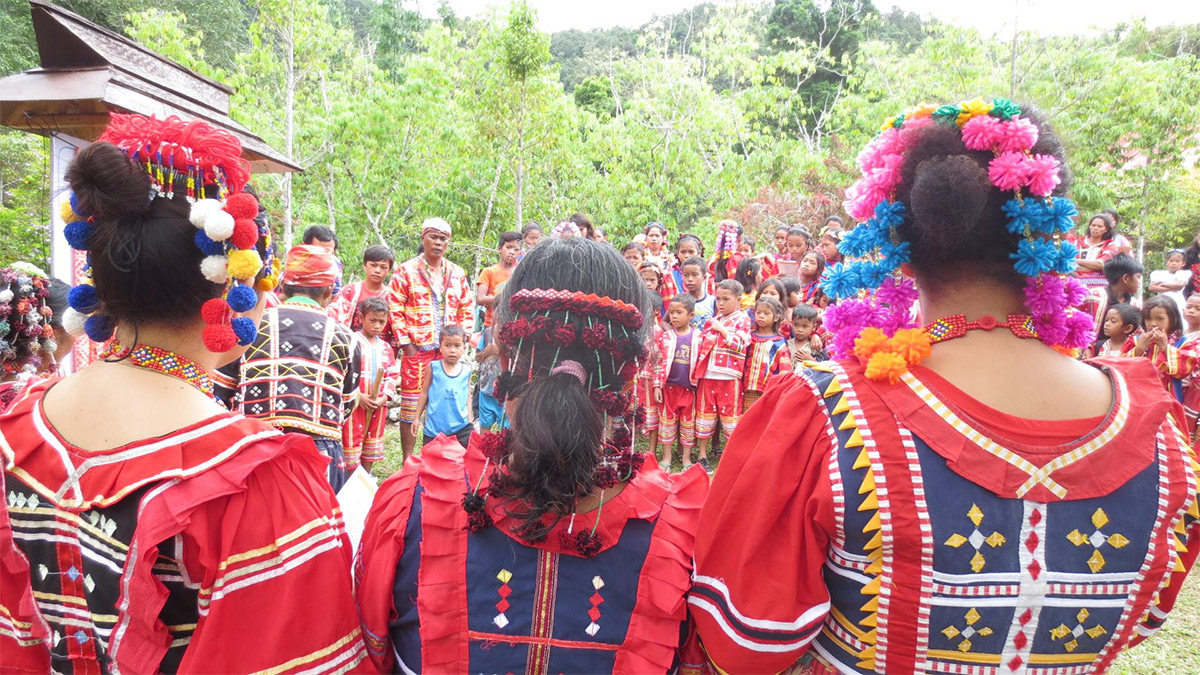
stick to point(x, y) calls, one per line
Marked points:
point(868, 342)
point(912, 344)
point(886, 367)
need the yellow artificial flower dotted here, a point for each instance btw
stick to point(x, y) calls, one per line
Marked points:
point(923, 110)
point(973, 109)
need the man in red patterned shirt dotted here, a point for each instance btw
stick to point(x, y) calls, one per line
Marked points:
point(427, 293)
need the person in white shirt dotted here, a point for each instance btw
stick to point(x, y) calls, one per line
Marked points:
point(1171, 281)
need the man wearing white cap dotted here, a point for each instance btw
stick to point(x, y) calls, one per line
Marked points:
point(427, 293)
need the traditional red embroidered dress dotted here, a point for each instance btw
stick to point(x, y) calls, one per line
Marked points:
point(363, 443)
point(343, 308)
point(198, 551)
point(891, 529)
point(765, 357)
point(489, 602)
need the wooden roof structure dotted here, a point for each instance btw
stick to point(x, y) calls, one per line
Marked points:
point(88, 71)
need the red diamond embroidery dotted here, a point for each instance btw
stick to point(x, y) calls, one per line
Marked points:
point(1035, 517)
point(503, 606)
point(596, 599)
point(1031, 542)
point(1026, 616)
point(594, 613)
point(1015, 663)
point(505, 591)
point(1020, 641)
point(1035, 570)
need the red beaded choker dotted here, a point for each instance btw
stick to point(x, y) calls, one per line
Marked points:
point(162, 361)
point(956, 326)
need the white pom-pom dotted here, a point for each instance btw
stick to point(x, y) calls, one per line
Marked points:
point(72, 322)
point(6, 295)
point(201, 210)
point(218, 225)
point(33, 317)
point(214, 268)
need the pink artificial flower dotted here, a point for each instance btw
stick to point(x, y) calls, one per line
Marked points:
point(887, 142)
point(1052, 329)
point(1018, 135)
point(887, 176)
point(1075, 291)
point(1081, 330)
point(981, 133)
point(1044, 295)
point(862, 197)
point(1043, 174)
point(1008, 171)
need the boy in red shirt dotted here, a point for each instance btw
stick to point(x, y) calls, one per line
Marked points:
point(721, 362)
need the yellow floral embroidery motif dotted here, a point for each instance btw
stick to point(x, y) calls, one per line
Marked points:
point(968, 632)
point(1061, 631)
point(1097, 539)
point(976, 539)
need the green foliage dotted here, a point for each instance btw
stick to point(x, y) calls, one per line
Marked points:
point(751, 110)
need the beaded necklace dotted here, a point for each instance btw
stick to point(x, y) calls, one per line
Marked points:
point(161, 361)
point(956, 326)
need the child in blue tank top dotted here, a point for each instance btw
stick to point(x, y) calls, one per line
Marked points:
point(446, 391)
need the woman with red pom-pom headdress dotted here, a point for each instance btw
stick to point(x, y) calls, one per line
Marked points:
point(145, 528)
point(551, 546)
point(965, 496)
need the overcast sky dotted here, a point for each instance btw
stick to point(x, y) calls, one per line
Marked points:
point(989, 16)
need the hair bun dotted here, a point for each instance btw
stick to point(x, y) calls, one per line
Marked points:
point(947, 200)
point(109, 184)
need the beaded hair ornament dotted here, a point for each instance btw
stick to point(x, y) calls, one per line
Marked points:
point(27, 343)
point(550, 319)
point(205, 165)
point(874, 320)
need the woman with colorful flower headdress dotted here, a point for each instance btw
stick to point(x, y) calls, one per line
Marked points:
point(145, 528)
point(965, 495)
point(553, 546)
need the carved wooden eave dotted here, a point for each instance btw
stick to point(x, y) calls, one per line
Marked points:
point(88, 71)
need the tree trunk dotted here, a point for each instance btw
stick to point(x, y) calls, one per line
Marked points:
point(289, 123)
point(487, 216)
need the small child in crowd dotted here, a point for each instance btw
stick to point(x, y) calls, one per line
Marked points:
point(768, 354)
point(1160, 317)
point(644, 385)
point(773, 288)
point(694, 272)
point(798, 242)
point(746, 248)
point(812, 266)
point(674, 387)
point(688, 246)
point(1187, 382)
point(446, 392)
point(531, 234)
point(634, 253)
point(362, 435)
point(1121, 323)
point(720, 364)
point(749, 275)
point(652, 275)
point(1171, 281)
point(805, 345)
point(1124, 275)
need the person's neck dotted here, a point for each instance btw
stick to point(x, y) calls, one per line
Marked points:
point(507, 265)
point(804, 281)
point(370, 338)
point(434, 261)
point(699, 294)
point(372, 285)
point(1192, 328)
point(683, 331)
point(764, 332)
point(184, 341)
point(451, 368)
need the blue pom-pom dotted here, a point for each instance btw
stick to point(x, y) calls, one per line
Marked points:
point(78, 233)
point(75, 206)
point(890, 214)
point(241, 298)
point(1034, 257)
point(83, 299)
point(1065, 262)
point(208, 246)
point(1060, 216)
point(896, 254)
point(98, 327)
point(871, 275)
point(245, 329)
point(841, 281)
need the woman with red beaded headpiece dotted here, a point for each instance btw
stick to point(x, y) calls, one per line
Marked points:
point(145, 528)
point(965, 497)
point(551, 547)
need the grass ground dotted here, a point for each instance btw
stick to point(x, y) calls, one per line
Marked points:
point(1174, 650)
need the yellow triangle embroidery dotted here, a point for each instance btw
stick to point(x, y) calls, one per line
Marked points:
point(1194, 508)
point(868, 637)
point(868, 653)
point(872, 524)
point(875, 567)
point(843, 405)
point(872, 588)
point(1179, 547)
point(866, 664)
point(855, 440)
point(876, 541)
point(870, 502)
point(848, 422)
point(870, 620)
point(872, 605)
point(835, 387)
point(868, 483)
point(863, 460)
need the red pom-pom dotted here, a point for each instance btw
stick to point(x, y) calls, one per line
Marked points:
point(219, 337)
point(245, 234)
point(215, 311)
point(242, 206)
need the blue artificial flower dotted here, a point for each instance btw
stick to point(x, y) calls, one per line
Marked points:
point(890, 214)
point(856, 242)
point(872, 274)
point(1018, 217)
point(1059, 216)
point(1034, 257)
point(841, 281)
point(1065, 262)
point(896, 254)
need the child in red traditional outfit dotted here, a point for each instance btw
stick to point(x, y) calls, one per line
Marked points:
point(812, 266)
point(674, 387)
point(378, 261)
point(362, 435)
point(1187, 377)
point(1121, 323)
point(1160, 317)
point(767, 354)
point(805, 345)
point(721, 361)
